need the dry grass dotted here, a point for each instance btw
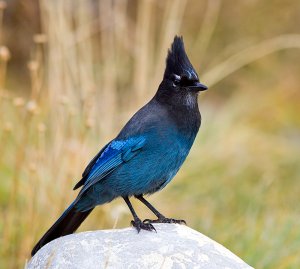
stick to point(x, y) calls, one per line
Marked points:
point(95, 64)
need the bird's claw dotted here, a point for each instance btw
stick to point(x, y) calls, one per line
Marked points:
point(139, 225)
point(165, 220)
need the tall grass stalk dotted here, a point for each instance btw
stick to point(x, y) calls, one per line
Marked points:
point(249, 55)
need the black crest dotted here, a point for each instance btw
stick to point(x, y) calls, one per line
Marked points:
point(177, 61)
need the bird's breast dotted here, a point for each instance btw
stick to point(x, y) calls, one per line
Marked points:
point(169, 148)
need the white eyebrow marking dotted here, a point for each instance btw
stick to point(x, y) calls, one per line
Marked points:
point(177, 77)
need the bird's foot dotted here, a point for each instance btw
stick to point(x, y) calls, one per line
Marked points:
point(140, 225)
point(165, 220)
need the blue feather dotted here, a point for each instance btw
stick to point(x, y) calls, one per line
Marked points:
point(115, 153)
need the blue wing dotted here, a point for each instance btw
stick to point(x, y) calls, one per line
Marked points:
point(109, 158)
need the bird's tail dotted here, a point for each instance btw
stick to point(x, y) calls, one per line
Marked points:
point(68, 223)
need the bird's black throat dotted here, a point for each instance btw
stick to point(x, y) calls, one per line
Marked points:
point(182, 108)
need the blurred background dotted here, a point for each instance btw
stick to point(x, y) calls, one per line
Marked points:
point(72, 72)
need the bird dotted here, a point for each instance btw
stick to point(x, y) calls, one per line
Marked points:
point(147, 153)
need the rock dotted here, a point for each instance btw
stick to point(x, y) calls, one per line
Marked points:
point(173, 246)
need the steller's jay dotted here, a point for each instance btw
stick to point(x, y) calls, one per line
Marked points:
point(145, 155)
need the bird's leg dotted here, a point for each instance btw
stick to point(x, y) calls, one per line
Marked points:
point(136, 222)
point(160, 217)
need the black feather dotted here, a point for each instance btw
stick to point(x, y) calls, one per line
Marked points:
point(178, 63)
point(68, 223)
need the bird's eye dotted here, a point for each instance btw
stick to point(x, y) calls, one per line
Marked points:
point(176, 80)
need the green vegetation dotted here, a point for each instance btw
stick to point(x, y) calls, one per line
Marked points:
point(95, 63)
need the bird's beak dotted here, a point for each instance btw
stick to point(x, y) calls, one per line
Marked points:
point(197, 86)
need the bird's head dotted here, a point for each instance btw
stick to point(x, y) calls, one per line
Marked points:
point(180, 82)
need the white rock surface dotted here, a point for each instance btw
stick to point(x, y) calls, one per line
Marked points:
point(173, 246)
